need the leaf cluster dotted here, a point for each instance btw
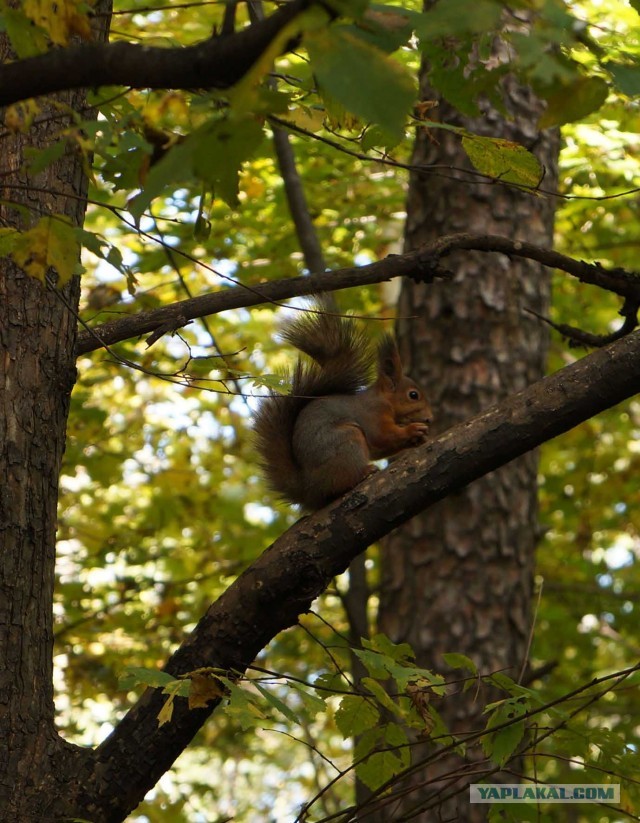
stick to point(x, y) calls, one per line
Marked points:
point(161, 503)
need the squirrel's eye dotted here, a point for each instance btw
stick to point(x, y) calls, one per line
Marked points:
point(414, 394)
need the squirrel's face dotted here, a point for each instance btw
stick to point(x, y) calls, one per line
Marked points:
point(410, 404)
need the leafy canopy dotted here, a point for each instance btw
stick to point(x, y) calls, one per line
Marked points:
point(161, 503)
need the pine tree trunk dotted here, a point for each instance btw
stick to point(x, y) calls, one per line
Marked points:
point(460, 577)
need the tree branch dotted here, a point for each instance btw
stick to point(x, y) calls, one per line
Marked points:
point(618, 281)
point(216, 63)
point(293, 188)
point(422, 264)
point(281, 584)
point(579, 337)
point(294, 191)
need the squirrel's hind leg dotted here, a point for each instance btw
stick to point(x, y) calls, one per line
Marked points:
point(341, 465)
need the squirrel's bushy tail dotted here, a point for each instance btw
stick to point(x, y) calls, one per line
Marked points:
point(342, 362)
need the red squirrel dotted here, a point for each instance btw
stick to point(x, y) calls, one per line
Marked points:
point(316, 443)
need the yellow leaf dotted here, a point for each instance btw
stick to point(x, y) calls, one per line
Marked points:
point(503, 160)
point(203, 689)
point(51, 243)
point(174, 106)
point(30, 252)
point(63, 251)
point(309, 119)
point(166, 712)
point(20, 116)
point(59, 19)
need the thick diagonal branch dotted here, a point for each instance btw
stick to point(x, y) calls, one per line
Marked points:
point(271, 594)
point(216, 63)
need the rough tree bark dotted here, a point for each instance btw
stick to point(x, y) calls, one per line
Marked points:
point(37, 373)
point(459, 577)
point(42, 777)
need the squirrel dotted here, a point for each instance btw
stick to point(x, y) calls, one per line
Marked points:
point(316, 443)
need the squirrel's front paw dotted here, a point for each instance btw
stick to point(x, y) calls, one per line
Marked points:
point(417, 433)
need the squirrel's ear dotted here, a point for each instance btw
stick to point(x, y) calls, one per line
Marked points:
point(389, 363)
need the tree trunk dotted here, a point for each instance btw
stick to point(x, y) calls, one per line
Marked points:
point(459, 577)
point(37, 373)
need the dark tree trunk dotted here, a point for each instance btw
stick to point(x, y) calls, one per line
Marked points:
point(459, 578)
point(37, 373)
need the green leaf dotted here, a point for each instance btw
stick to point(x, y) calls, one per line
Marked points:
point(355, 715)
point(440, 731)
point(375, 663)
point(386, 27)
point(505, 742)
point(114, 258)
point(219, 150)
point(460, 661)
point(460, 82)
point(573, 102)
point(503, 160)
point(26, 38)
point(39, 159)
point(500, 745)
point(313, 704)
point(274, 382)
point(626, 77)
point(276, 703)
point(511, 687)
point(399, 652)
point(421, 678)
point(242, 706)
point(375, 137)
point(181, 688)
point(454, 18)
point(395, 735)
point(362, 78)
point(545, 67)
point(329, 683)
point(381, 666)
point(175, 166)
point(380, 694)
point(382, 766)
point(138, 676)
point(101, 248)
